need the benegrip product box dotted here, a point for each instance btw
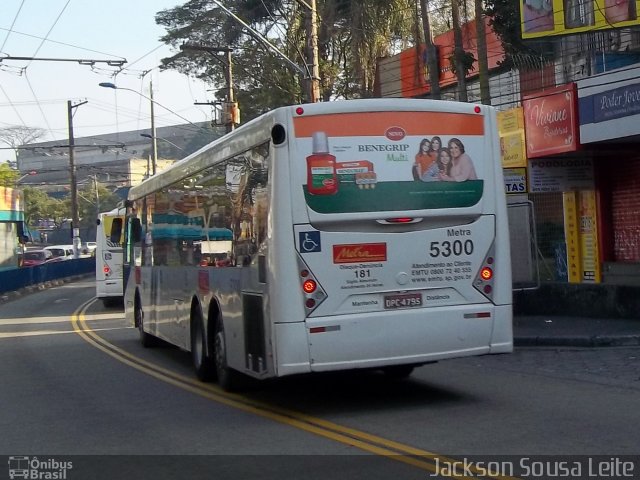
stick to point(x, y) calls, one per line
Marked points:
point(347, 171)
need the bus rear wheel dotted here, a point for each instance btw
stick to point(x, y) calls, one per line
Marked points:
point(228, 378)
point(147, 340)
point(203, 364)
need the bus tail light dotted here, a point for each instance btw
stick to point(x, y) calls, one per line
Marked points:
point(486, 273)
point(484, 281)
point(312, 292)
point(106, 270)
point(309, 286)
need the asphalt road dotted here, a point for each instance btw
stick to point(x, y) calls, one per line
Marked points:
point(79, 383)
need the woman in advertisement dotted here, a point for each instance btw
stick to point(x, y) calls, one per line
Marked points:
point(441, 169)
point(537, 16)
point(461, 165)
point(424, 158)
point(619, 10)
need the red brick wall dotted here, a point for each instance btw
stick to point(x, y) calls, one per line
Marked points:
point(625, 209)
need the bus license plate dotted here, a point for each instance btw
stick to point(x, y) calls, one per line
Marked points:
point(404, 300)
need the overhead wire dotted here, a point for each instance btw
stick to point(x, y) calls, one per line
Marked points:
point(29, 63)
point(48, 40)
point(26, 77)
point(49, 32)
point(124, 70)
point(10, 29)
point(15, 110)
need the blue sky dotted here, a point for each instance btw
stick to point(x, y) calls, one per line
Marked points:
point(37, 95)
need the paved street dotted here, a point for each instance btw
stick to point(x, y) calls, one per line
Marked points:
point(91, 389)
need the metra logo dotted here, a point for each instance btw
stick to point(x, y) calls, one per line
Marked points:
point(395, 133)
point(360, 252)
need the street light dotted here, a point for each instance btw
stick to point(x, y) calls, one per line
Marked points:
point(28, 174)
point(154, 144)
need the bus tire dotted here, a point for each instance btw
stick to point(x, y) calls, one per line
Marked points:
point(228, 378)
point(147, 340)
point(398, 372)
point(203, 364)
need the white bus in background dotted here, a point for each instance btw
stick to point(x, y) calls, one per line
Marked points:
point(109, 256)
point(337, 247)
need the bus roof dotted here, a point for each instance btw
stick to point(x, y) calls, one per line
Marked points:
point(254, 133)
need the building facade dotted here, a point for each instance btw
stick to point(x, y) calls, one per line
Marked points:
point(115, 160)
point(570, 144)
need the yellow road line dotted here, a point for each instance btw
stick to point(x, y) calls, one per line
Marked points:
point(348, 436)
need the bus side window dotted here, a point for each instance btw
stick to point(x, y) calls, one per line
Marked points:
point(136, 230)
point(116, 230)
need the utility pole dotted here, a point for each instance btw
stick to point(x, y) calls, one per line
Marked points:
point(432, 52)
point(75, 221)
point(154, 143)
point(483, 64)
point(312, 51)
point(458, 52)
point(95, 186)
point(303, 72)
point(230, 109)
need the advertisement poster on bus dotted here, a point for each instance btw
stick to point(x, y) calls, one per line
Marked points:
point(391, 161)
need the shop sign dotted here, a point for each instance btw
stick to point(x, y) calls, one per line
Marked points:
point(560, 174)
point(512, 143)
point(618, 103)
point(11, 207)
point(573, 260)
point(515, 180)
point(589, 236)
point(550, 121)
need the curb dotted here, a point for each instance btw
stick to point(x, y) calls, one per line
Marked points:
point(583, 341)
point(9, 296)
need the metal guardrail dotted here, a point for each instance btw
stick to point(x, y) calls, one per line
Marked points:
point(17, 278)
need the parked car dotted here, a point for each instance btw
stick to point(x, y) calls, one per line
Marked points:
point(31, 258)
point(89, 247)
point(63, 252)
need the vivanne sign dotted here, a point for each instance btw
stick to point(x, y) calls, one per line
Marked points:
point(550, 121)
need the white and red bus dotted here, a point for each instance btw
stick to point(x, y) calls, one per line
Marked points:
point(109, 256)
point(305, 241)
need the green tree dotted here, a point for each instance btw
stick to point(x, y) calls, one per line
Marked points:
point(351, 37)
point(8, 175)
point(40, 206)
point(92, 202)
point(18, 135)
point(506, 22)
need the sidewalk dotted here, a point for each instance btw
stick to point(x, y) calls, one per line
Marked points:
point(549, 330)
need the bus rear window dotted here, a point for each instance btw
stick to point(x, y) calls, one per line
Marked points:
point(390, 161)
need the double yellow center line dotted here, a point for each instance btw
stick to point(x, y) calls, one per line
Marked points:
point(415, 457)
